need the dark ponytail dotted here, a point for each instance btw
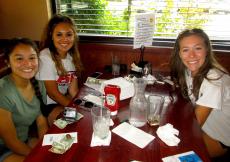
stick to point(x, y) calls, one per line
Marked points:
point(38, 94)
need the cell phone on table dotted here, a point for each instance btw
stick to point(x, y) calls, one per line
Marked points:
point(70, 114)
point(96, 74)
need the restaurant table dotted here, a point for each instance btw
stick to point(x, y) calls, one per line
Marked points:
point(177, 111)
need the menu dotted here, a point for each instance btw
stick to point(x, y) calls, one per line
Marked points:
point(143, 29)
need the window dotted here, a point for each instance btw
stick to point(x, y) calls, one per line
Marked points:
point(115, 18)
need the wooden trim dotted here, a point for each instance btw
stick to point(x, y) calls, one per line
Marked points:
point(97, 55)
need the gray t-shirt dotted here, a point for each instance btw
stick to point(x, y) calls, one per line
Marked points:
point(24, 113)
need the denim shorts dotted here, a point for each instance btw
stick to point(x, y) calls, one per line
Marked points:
point(46, 109)
point(4, 152)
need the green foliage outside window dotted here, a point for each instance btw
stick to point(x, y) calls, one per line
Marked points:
point(94, 17)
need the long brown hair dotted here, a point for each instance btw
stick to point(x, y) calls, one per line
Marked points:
point(12, 44)
point(178, 69)
point(47, 42)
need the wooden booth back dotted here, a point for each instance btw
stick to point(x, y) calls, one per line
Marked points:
point(96, 56)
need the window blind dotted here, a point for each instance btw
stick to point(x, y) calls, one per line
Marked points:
point(116, 17)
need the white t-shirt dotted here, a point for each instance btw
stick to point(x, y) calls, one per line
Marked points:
point(48, 71)
point(215, 94)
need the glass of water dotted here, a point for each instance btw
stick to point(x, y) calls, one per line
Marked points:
point(101, 121)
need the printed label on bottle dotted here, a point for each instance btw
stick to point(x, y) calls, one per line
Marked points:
point(111, 99)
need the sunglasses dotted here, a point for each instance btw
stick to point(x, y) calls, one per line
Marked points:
point(84, 103)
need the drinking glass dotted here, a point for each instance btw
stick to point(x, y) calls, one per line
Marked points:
point(115, 65)
point(101, 120)
point(147, 69)
point(155, 107)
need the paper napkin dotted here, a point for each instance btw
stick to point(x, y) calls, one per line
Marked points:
point(50, 138)
point(150, 79)
point(168, 134)
point(96, 141)
point(133, 134)
point(127, 88)
point(94, 99)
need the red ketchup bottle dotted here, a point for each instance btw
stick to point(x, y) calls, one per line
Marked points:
point(112, 98)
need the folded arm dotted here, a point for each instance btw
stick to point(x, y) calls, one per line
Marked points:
point(54, 94)
point(202, 114)
point(73, 87)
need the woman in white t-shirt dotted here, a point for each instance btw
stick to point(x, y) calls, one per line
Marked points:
point(59, 64)
point(206, 84)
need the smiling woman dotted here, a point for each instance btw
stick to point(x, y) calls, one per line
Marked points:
point(20, 106)
point(24, 62)
point(60, 64)
point(193, 53)
point(206, 84)
point(63, 38)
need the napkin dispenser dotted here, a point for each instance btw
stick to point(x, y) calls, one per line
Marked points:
point(127, 88)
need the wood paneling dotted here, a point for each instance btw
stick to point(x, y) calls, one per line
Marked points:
point(96, 56)
point(23, 18)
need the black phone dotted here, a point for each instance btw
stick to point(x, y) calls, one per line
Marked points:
point(70, 114)
point(96, 74)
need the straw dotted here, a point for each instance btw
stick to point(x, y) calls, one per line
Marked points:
point(101, 107)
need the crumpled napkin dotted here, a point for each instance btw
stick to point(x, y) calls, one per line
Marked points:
point(136, 68)
point(168, 134)
point(150, 79)
point(96, 141)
